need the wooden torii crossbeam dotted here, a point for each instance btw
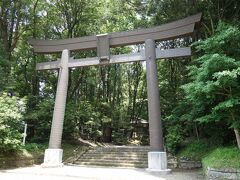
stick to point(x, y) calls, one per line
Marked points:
point(157, 158)
point(115, 59)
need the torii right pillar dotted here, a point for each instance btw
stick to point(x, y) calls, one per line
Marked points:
point(157, 158)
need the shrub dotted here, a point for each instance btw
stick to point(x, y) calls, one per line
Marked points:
point(39, 118)
point(119, 138)
point(173, 138)
point(194, 151)
point(34, 147)
point(11, 111)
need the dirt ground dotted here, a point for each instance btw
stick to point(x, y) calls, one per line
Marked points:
point(94, 173)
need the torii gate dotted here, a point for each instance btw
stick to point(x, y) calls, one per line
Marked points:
point(157, 158)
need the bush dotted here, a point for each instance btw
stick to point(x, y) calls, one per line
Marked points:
point(194, 151)
point(223, 157)
point(39, 119)
point(33, 147)
point(119, 138)
point(173, 138)
point(11, 111)
point(82, 116)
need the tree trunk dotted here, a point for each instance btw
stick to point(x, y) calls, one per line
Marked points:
point(237, 134)
point(107, 134)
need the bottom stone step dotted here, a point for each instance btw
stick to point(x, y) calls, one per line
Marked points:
point(112, 164)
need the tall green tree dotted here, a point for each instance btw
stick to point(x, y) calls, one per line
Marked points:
point(213, 12)
point(13, 23)
point(214, 93)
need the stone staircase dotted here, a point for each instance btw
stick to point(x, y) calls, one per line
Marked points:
point(116, 156)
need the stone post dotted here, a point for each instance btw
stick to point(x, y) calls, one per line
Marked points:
point(157, 158)
point(53, 155)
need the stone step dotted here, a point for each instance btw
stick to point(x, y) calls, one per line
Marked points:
point(122, 149)
point(113, 164)
point(115, 158)
point(121, 164)
point(115, 154)
point(111, 160)
point(118, 156)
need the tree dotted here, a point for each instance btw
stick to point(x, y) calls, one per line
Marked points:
point(213, 11)
point(11, 114)
point(3, 75)
point(12, 23)
point(214, 93)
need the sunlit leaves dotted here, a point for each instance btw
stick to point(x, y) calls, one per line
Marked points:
point(216, 78)
point(11, 113)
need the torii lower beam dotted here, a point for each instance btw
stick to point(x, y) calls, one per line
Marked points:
point(115, 59)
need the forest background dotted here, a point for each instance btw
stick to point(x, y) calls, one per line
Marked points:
point(200, 96)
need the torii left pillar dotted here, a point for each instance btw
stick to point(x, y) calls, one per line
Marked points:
point(53, 155)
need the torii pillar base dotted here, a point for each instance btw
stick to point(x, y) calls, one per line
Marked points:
point(53, 158)
point(157, 163)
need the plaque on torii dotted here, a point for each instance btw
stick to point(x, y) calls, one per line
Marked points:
point(157, 159)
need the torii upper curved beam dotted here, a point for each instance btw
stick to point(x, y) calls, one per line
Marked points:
point(180, 28)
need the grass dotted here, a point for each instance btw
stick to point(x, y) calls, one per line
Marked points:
point(72, 150)
point(223, 157)
point(30, 150)
point(24, 156)
point(34, 153)
point(194, 151)
point(214, 157)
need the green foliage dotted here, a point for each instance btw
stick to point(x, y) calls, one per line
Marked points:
point(119, 138)
point(11, 113)
point(213, 12)
point(174, 137)
point(39, 119)
point(82, 118)
point(100, 98)
point(223, 157)
point(34, 147)
point(214, 93)
point(195, 150)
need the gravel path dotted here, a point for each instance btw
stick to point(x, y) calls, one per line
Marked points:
point(94, 173)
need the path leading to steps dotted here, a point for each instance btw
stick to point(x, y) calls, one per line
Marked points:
point(93, 173)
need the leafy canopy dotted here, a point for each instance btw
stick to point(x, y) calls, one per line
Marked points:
point(214, 93)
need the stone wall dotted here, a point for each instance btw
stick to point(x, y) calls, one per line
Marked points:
point(6, 163)
point(227, 173)
point(188, 164)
